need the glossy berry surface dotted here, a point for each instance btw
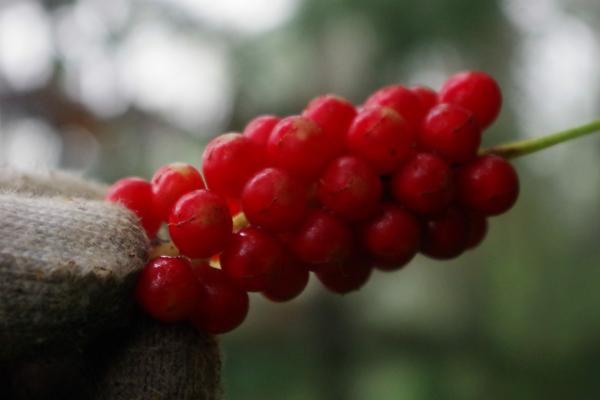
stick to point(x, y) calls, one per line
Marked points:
point(136, 194)
point(477, 92)
point(446, 237)
point(334, 115)
point(275, 200)
point(222, 306)
point(322, 239)
point(451, 132)
point(259, 129)
point(402, 100)
point(424, 184)
point(343, 278)
point(393, 237)
point(167, 289)
point(252, 259)
point(427, 96)
point(288, 285)
point(171, 182)
point(381, 137)
point(338, 191)
point(477, 227)
point(489, 185)
point(235, 207)
point(229, 161)
point(200, 224)
point(350, 188)
point(299, 146)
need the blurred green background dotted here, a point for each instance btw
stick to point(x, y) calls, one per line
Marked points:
point(110, 88)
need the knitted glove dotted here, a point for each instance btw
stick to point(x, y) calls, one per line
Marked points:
point(68, 324)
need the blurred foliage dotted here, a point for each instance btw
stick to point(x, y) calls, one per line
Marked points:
point(515, 319)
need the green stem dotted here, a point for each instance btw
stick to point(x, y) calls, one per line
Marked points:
point(523, 147)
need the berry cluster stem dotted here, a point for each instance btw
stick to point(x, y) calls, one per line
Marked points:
point(523, 147)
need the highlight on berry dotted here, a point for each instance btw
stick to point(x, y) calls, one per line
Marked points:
point(338, 190)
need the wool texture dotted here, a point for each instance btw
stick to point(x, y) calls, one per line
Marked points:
point(69, 326)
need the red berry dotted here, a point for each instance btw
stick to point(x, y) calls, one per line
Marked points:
point(223, 306)
point(259, 129)
point(200, 224)
point(350, 188)
point(136, 195)
point(299, 146)
point(475, 91)
point(427, 96)
point(446, 236)
point(167, 289)
point(252, 259)
point(451, 132)
point(343, 278)
point(229, 161)
point(424, 184)
point(274, 200)
point(334, 115)
point(393, 237)
point(380, 136)
point(289, 284)
point(477, 229)
point(322, 239)
point(171, 182)
point(489, 185)
point(313, 196)
point(234, 206)
point(400, 99)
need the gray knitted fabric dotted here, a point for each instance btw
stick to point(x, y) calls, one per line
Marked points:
point(50, 183)
point(163, 362)
point(68, 263)
point(66, 268)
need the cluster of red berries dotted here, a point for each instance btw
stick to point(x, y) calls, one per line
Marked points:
point(337, 190)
